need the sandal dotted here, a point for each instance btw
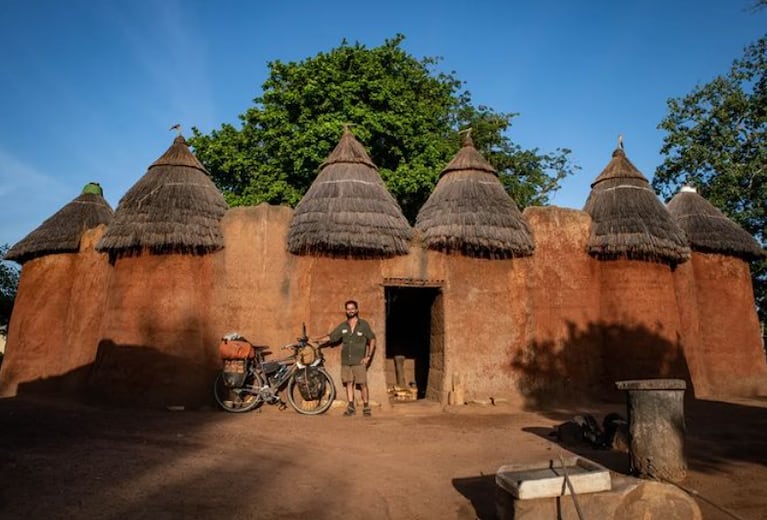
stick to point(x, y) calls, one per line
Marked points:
point(350, 410)
point(366, 411)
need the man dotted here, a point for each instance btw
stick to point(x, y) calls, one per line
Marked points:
point(358, 345)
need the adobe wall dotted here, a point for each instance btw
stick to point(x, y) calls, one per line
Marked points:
point(689, 315)
point(266, 293)
point(562, 357)
point(534, 331)
point(730, 338)
point(485, 306)
point(38, 322)
point(56, 321)
point(156, 343)
point(641, 324)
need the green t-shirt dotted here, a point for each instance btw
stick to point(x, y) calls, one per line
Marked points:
point(353, 341)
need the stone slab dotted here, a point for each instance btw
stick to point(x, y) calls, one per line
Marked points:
point(547, 478)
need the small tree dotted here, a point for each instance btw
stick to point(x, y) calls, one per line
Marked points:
point(407, 114)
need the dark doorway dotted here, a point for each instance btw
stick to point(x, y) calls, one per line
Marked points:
point(414, 332)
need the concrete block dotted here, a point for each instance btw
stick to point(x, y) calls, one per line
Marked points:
point(547, 479)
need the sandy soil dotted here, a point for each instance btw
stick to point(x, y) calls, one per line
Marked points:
point(61, 460)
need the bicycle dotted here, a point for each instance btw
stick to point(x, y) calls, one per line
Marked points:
point(247, 380)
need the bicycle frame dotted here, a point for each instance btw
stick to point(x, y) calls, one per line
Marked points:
point(301, 374)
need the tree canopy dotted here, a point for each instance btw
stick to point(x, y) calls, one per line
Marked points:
point(9, 281)
point(406, 113)
point(716, 140)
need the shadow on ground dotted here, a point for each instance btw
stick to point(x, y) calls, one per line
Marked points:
point(481, 493)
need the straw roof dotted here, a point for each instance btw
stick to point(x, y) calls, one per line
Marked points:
point(61, 233)
point(628, 219)
point(347, 211)
point(709, 230)
point(173, 208)
point(469, 211)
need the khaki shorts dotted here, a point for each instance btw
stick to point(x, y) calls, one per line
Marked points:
point(354, 373)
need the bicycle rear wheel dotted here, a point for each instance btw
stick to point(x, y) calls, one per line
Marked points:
point(238, 400)
point(303, 394)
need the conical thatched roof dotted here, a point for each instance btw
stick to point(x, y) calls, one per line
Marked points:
point(61, 232)
point(347, 211)
point(469, 212)
point(173, 208)
point(628, 219)
point(709, 230)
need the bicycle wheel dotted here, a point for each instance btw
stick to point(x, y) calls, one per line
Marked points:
point(311, 394)
point(238, 400)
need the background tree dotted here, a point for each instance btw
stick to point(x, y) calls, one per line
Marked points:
point(406, 113)
point(716, 140)
point(9, 282)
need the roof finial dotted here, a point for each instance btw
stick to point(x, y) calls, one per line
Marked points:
point(620, 141)
point(466, 137)
point(348, 127)
point(176, 127)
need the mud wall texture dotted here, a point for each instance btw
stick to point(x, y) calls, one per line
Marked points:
point(560, 356)
point(557, 326)
point(730, 345)
point(56, 321)
point(156, 337)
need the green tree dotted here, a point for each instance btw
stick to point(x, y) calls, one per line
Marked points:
point(406, 113)
point(716, 140)
point(9, 282)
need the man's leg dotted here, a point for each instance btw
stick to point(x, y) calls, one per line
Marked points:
point(349, 398)
point(365, 400)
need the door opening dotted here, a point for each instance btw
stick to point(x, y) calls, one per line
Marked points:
point(414, 343)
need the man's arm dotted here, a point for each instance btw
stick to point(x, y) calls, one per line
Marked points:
point(321, 340)
point(370, 348)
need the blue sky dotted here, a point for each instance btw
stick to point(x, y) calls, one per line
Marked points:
point(88, 89)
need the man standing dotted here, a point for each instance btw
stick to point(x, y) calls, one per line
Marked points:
point(358, 344)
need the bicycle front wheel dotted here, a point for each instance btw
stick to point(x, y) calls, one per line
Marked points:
point(311, 391)
point(241, 399)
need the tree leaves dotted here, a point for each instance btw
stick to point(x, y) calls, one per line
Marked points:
point(9, 282)
point(403, 109)
point(716, 140)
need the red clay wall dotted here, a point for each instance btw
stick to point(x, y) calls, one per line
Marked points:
point(266, 293)
point(689, 315)
point(640, 320)
point(730, 338)
point(56, 321)
point(156, 342)
point(531, 331)
point(485, 304)
point(561, 358)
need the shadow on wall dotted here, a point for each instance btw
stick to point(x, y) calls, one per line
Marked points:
point(135, 375)
point(68, 385)
point(131, 376)
point(586, 363)
point(176, 366)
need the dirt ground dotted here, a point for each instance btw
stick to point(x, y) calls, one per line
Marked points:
point(62, 460)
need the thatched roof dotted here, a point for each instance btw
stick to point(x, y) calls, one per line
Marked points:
point(173, 208)
point(347, 211)
point(469, 212)
point(628, 219)
point(61, 232)
point(709, 230)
